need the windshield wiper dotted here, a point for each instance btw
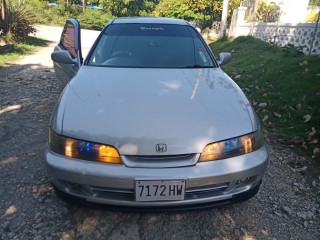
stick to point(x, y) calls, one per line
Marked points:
point(197, 66)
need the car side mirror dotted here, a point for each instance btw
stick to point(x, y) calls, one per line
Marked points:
point(63, 56)
point(224, 58)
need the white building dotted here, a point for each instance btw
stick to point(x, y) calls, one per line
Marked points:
point(293, 11)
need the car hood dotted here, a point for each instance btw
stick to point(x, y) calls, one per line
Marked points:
point(136, 109)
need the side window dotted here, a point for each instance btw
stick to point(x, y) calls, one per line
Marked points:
point(68, 39)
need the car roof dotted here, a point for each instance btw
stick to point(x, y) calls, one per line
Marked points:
point(159, 20)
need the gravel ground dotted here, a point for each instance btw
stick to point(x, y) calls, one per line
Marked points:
point(287, 206)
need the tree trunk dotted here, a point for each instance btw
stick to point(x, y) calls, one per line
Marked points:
point(315, 33)
point(223, 23)
point(83, 5)
point(3, 17)
point(255, 9)
point(3, 10)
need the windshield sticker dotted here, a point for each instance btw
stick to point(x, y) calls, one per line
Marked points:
point(203, 57)
point(152, 28)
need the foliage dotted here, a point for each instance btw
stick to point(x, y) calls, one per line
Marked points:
point(213, 8)
point(287, 83)
point(312, 17)
point(54, 15)
point(203, 11)
point(19, 20)
point(291, 50)
point(178, 9)
point(206, 11)
point(128, 8)
point(314, 3)
point(57, 15)
point(268, 12)
point(93, 19)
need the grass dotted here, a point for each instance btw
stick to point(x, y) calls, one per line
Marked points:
point(21, 49)
point(286, 81)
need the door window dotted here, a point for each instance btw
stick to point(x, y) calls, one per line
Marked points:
point(68, 39)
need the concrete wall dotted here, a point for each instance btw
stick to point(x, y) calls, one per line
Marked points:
point(297, 34)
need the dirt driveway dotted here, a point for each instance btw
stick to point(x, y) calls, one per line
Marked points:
point(287, 206)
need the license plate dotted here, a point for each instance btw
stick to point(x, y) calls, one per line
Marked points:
point(160, 190)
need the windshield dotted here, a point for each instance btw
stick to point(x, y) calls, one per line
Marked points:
point(150, 45)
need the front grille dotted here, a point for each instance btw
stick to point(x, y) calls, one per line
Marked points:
point(129, 194)
point(160, 161)
point(114, 194)
point(210, 188)
point(213, 190)
point(160, 157)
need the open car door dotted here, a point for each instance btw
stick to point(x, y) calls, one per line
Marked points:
point(67, 56)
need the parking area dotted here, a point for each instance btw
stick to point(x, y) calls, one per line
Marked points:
point(287, 206)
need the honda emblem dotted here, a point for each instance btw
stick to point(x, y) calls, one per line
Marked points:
point(161, 147)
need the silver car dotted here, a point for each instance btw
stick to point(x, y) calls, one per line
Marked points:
point(149, 120)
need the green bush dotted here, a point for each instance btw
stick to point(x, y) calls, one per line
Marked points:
point(94, 19)
point(268, 12)
point(57, 15)
point(19, 22)
point(312, 17)
point(49, 15)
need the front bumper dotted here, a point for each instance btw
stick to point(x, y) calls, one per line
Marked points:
point(207, 183)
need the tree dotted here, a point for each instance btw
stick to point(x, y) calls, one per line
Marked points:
point(223, 23)
point(18, 21)
point(314, 2)
point(3, 16)
point(129, 8)
point(209, 11)
point(200, 11)
point(175, 9)
point(84, 3)
point(255, 8)
point(268, 12)
point(206, 12)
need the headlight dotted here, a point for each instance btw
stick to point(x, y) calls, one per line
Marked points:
point(74, 148)
point(232, 147)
